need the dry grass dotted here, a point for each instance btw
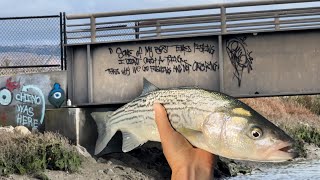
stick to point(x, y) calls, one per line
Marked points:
point(36, 152)
point(297, 115)
point(286, 111)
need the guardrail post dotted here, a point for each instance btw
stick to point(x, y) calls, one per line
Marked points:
point(61, 42)
point(223, 20)
point(221, 62)
point(90, 74)
point(277, 22)
point(93, 28)
point(137, 30)
point(65, 40)
point(158, 29)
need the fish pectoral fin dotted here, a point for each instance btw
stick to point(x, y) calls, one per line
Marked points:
point(192, 135)
point(130, 141)
point(189, 132)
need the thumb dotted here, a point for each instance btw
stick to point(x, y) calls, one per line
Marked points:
point(164, 127)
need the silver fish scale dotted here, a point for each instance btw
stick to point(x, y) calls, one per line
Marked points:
point(182, 105)
point(188, 110)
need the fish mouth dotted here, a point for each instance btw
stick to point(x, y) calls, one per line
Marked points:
point(282, 152)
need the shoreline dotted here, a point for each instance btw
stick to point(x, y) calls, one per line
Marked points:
point(313, 153)
point(148, 162)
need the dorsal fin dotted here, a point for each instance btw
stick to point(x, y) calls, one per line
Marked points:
point(148, 87)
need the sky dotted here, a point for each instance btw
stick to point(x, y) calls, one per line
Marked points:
point(22, 31)
point(12, 8)
point(14, 32)
point(48, 7)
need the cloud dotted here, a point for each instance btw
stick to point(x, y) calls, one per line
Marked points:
point(46, 7)
point(12, 8)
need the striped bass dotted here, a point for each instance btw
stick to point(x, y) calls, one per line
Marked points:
point(212, 121)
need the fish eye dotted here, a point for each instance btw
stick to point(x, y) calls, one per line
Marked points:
point(256, 133)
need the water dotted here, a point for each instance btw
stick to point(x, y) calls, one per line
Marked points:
point(299, 170)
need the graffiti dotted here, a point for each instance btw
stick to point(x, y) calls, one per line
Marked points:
point(183, 49)
point(205, 66)
point(57, 96)
point(204, 48)
point(23, 102)
point(239, 56)
point(12, 85)
point(113, 71)
point(28, 98)
point(161, 49)
point(6, 95)
point(157, 59)
point(175, 59)
point(26, 115)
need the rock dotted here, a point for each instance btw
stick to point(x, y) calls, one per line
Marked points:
point(221, 169)
point(34, 130)
point(108, 171)
point(83, 151)
point(102, 160)
point(313, 152)
point(7, 129)
point(227, 167)
point(41, 176)
point(101, 171)
point(21, 130)
point(236, 169)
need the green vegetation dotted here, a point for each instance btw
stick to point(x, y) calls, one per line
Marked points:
point(309, 102)
point(308, 135)
point(297, 115)
point(304, 134)
point(34, 153)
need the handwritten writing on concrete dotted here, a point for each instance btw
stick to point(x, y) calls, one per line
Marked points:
point(164, 59)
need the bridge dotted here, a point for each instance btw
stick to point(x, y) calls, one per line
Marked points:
point(244, 49)
point(218, 47)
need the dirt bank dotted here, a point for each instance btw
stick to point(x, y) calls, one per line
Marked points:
point(148, 162)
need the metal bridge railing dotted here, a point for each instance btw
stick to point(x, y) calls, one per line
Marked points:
point(213, 19)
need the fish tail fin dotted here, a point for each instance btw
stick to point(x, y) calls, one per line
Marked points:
point(105, 132)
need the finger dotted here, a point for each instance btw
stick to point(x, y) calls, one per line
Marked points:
point(206, 156)
point(162, 121)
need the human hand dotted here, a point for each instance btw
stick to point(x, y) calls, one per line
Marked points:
point(185, 161)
